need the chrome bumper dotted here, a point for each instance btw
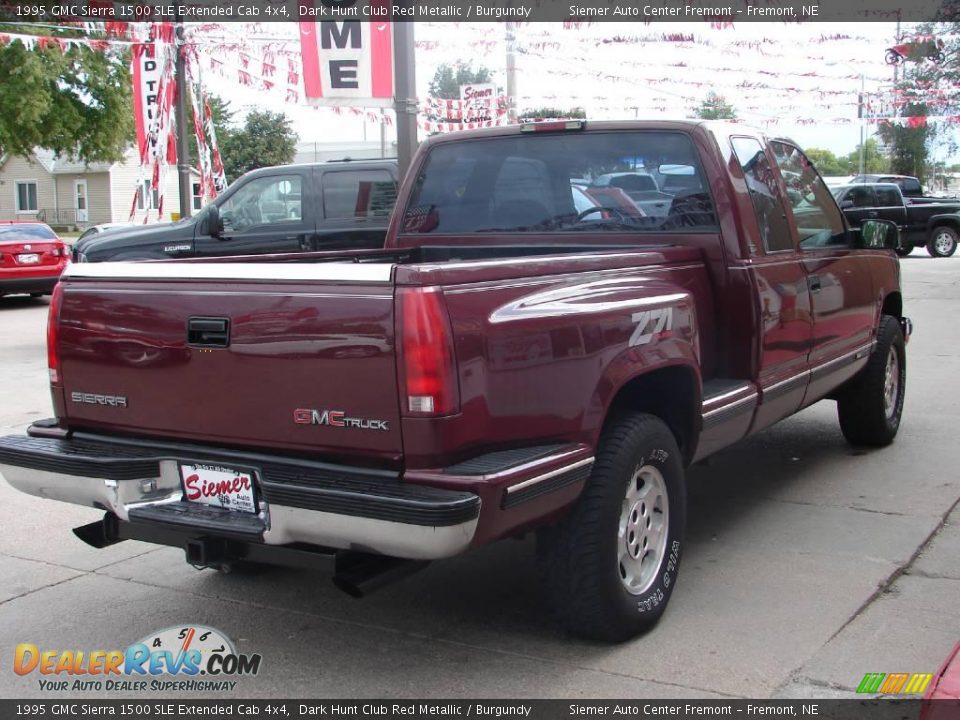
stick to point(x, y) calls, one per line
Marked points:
point(906, 325)
point(419, 531)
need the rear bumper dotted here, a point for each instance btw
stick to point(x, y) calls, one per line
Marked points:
point(906, 325)
point(39, 284)
point(318, 504)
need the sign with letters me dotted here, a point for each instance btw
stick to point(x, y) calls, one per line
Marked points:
point(348, 63)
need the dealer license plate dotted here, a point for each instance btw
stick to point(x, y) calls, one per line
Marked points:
point(29, 259)
point(219, 486)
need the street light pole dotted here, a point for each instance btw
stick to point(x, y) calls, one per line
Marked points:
point(510, 41)
point(405, 92)
point(183, 147)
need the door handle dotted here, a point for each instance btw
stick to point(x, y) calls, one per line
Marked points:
point(815, 284)
point(209, 332)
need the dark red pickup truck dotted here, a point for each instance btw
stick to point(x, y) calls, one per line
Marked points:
point(517, 358)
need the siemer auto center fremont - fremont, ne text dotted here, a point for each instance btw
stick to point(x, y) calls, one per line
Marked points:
point(690, 11)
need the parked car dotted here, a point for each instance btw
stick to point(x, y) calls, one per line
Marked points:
point(288, 208)
point(934, 225)
point(506, 364)
point(32, 257)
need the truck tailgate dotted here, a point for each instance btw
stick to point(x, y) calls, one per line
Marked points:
point(304, 361)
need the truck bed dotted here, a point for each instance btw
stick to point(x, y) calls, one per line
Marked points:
point(293, 353)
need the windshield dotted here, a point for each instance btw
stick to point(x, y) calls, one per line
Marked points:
point(544, 183)
point(25, 232)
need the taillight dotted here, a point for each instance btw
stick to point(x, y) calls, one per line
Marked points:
point(428, 370)
point(53, 321)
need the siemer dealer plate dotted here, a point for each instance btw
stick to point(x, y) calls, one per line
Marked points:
point(219, 486)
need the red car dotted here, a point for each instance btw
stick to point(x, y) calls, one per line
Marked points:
point(31, 258)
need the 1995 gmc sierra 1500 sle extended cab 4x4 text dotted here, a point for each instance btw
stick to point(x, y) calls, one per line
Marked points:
point(508, 362)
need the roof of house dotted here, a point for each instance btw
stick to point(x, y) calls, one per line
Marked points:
point(66, 165)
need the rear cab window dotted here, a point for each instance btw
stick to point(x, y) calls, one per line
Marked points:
point(910, 186)
point(358, 194)
point(563, 182)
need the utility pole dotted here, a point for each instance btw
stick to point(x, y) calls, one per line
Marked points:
point(405, 91)
point(510, 40)
point(862, 127)
point(183, 147)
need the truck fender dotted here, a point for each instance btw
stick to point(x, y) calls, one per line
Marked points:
point(657, 371)
point(951, 220)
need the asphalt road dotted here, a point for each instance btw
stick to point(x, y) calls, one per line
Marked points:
point(808, 563)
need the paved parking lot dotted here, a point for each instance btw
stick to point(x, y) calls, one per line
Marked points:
point(808, 563)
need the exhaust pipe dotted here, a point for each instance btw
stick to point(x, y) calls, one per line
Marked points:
point(102, 533)
point(359, 574)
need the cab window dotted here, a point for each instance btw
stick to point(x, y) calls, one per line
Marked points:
point(264, 201)
point(819, 220)
point(888, 197)
point(860, 196)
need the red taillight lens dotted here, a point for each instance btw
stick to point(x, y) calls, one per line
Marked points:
point(428, 371)
point(53, 320)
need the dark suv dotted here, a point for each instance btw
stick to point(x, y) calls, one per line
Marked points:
point(340, 205)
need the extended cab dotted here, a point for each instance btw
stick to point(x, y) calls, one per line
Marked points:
point(335, 205)
point(508, 363)
point(934, 225)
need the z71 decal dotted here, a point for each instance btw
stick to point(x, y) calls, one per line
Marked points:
point(651, 324)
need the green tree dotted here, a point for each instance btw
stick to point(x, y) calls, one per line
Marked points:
point(715, 107)
point(873, 160)
point(929, 85)
point(910, 142)
point(447, 79)
point(266, 138)
point(828, 163)
point(74, 101)
point(222, 119)
point(552, 112)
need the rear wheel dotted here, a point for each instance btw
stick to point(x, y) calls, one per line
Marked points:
point(943, 242)
point(611, 564)
point(871, 405)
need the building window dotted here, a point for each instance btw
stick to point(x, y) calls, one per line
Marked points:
point(26, 196)
point(147, 196)
point(197, 197)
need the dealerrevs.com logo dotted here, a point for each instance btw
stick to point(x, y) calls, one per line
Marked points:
point(188, 658)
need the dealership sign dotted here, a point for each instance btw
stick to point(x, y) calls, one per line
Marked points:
point(348, 63)
point(478, 101)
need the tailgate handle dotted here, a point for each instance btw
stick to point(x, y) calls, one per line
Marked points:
point(208, 332)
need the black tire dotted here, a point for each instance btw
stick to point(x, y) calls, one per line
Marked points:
point(866, 416)
point(582, 557)
point(943, 241)
point(904, 251)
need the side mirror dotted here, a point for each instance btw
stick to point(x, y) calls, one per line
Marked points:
point(846, 204)
point(214, 223)
point(879, 235)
